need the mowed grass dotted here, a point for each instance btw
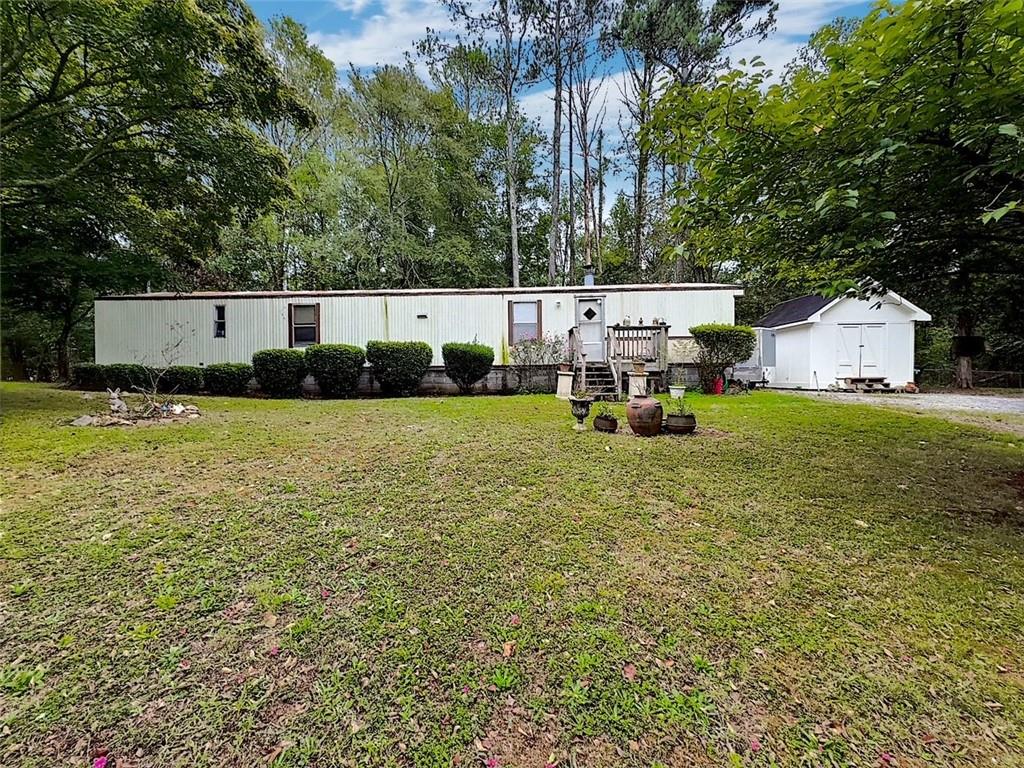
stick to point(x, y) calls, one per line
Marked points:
point(467, 581)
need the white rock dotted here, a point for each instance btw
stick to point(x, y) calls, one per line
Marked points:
point(83, 421)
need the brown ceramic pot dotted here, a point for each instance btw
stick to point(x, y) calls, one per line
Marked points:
point(644, 415)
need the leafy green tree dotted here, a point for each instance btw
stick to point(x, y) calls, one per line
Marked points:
point(502, 31)
point(683, 43)
point(127, 135)
point(895, 153)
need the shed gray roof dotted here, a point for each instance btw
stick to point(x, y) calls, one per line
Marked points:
point(793, 311)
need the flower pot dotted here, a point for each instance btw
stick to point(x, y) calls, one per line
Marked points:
point(606, 424)
point(580, 409)
point(639, 366)
point(676, 390)
point(644, 415)
point(681, 424)
point(563, 367)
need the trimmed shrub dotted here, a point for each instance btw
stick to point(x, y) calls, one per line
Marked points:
point(280, 372)
point(127, 376)
point(399, 366)
point(89, 376)
point(228, 378)
point(181, 379)
point(721, 346)
point(336, 367)
point(466, 364)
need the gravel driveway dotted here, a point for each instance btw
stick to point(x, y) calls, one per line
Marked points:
point(1002, 413)
point(931, 401)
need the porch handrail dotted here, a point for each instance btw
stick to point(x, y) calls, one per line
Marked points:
point(574, 344)
point(646, 342)
point(614, 358)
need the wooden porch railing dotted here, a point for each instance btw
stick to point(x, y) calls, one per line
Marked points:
point(626, 343)
point(623, 344)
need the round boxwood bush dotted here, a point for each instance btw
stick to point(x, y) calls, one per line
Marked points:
point(280, 372)
point(128, 377)
point(228, 378)
point(336, 367)
point(399, 366)
point(89, 376)
point(181, 380)
point(466, 364)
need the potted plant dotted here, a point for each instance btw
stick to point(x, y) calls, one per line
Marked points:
point(681, 420)
point(580, 402)
point(638, 365)
point(605, 420)
point(676, 387)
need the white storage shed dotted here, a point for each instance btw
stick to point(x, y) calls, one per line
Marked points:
point(813, 342)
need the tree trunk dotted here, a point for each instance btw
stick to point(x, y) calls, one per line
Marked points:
point(554, 241)
point(964, 371)
point(583, 135)
point(513, 199)
point(572, 195)
point(599, 222)
point(64, 351)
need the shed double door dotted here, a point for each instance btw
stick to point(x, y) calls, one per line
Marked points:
point(861, 352)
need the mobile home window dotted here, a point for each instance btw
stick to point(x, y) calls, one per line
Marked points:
point(524, 320)
point(305, 324)
point(220, 322)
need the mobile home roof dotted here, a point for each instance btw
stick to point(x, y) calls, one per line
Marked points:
point(575, 289)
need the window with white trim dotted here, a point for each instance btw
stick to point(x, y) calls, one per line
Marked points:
point(304, 325)
point(220, 322)
point(524, 317)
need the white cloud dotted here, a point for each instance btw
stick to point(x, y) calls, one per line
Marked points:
point(354, 7)
point(794, 22)
point(383, 37)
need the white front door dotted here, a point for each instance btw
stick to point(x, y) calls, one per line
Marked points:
point(590, 322)
point(860, 351)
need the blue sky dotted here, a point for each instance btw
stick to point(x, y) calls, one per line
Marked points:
point(369, 33)
point(373, 32)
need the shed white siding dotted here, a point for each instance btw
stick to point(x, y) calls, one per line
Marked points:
point(141, 328)
point(849, 337)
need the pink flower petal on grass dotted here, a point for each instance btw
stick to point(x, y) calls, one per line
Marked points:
point(755, 745)
point(100, 762)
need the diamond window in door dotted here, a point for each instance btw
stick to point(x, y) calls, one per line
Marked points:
point(590, 314)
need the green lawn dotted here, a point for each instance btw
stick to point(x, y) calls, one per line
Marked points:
point(430, 582)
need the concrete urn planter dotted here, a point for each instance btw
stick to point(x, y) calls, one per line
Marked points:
point(580, 409)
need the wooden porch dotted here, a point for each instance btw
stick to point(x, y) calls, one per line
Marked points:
point(623, 344)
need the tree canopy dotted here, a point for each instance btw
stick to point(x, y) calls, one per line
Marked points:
point(892, 151)
point(128, 141)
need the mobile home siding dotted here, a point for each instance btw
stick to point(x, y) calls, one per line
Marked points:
point(144, 329)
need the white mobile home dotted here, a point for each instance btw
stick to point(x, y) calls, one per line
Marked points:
point(654, 321)
point(812, 342)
